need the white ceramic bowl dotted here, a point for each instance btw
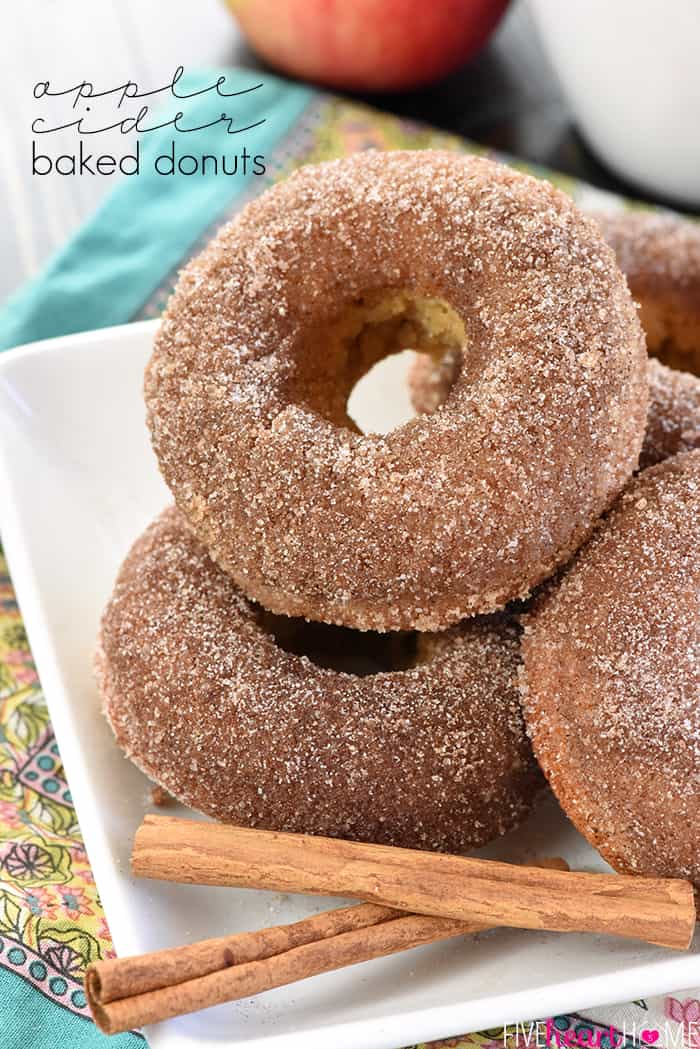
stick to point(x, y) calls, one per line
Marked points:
point(631, 72)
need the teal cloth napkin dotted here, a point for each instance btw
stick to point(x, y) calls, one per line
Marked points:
point(147, 224)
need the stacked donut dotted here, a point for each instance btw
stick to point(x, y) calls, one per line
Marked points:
point(223, 657)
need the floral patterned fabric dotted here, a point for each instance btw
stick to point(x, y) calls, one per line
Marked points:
point(51, 921)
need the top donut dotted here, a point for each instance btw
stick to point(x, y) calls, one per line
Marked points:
point(454, 513)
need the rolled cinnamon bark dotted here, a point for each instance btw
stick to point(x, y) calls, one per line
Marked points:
point(484, 892)
point(241, 981)
point(116, 978)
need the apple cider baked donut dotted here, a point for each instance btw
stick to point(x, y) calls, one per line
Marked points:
point(448, 515)
point(611, 678)
point(660, 256)
point(673, 419)
point(204, 699)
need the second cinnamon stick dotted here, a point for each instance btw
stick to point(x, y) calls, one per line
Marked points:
point(249, 978)
point(117, 978)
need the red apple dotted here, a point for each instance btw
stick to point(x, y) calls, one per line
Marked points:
point(370, 45)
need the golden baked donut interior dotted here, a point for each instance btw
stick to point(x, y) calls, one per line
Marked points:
point(369, 329)
point(672, 336)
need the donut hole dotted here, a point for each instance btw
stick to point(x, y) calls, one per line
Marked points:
point(430, 381)
point(380, 401)
point(671, 336)
point(356, 369)
point(357, 652)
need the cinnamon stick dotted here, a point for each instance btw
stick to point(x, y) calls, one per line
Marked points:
point(484, 892)
point(124, 993)
point(123, 977)
point(253, 977)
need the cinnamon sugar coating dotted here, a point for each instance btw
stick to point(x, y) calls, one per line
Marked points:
point(673, 419)
point(673, 422)
point(660, 256)
point(611, 678)
point(430, 380)
point(204, 700)
point(449, 515)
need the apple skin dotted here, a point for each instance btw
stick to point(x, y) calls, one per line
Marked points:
point(367, 45)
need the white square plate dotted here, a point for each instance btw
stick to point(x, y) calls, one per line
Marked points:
point(79, 483)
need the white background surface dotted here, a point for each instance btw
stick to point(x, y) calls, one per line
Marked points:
point(72, 429)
